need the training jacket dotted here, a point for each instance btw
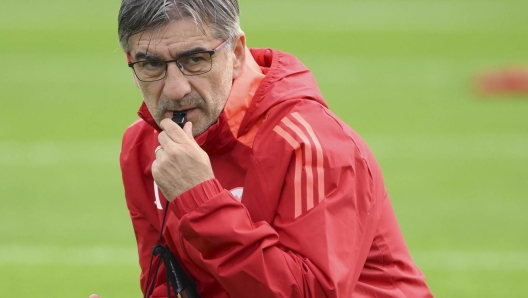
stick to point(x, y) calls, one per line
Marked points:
point(298, 207)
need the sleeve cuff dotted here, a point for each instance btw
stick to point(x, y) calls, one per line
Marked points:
point(195, 197)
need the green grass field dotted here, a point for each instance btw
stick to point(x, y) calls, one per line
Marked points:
point(399, 72)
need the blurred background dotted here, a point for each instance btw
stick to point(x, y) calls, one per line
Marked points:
point(401, 73)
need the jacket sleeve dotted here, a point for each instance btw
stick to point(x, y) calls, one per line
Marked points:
point(323, 189)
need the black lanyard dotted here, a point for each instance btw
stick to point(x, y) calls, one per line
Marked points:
point(176, 277)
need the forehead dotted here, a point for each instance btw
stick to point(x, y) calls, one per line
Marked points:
point(175, 37)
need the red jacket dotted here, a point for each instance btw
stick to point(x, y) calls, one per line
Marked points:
point(298, 207)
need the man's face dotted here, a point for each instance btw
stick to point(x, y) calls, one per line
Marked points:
point(203, 96)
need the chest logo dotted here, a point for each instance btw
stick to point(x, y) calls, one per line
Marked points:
point(237, 193)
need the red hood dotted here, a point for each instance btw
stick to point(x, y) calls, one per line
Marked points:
point(286, 78)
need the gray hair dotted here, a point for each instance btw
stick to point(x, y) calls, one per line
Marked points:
point(135, 16)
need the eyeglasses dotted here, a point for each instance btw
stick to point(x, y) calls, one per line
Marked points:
point(192, 64)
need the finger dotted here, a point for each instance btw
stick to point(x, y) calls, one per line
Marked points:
point(156, 151)
point(167, 142)
point(172, 129)
point(187, 128)
point(94, 296)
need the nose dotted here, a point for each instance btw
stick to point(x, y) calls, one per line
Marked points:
point(177, 84)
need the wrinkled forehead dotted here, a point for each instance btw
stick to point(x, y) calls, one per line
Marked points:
point(174, 36)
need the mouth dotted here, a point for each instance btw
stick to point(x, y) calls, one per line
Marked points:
point(169, 114)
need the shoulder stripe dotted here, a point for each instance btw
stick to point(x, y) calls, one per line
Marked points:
point(308, 162)
point(309, 191)
point(319, 151)
point(298, 166)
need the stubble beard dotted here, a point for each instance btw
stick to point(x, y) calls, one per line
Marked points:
point(165, 104)
point(208, 114)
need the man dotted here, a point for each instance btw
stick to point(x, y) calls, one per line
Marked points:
point(271, 195)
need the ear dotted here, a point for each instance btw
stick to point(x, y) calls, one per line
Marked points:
point(129, 59)
point(239, 54)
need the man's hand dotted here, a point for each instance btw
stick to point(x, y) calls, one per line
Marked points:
point(182, 164)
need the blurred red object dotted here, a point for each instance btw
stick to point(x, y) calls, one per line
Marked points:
point(513, 80)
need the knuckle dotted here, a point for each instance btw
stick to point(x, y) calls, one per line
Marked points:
point(154, 169)
point(167, 152)
point(171, 129)
point(162, 135)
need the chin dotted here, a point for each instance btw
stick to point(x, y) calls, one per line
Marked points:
point(197, 131)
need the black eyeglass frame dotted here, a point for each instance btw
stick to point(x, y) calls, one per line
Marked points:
point(179, 65)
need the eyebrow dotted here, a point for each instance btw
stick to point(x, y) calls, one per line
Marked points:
point(146, 56)
point(192, 51)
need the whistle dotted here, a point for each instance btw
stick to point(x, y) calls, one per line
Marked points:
point(179, 118)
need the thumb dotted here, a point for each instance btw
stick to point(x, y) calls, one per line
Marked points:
point(94, 296)
point(187, 128)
